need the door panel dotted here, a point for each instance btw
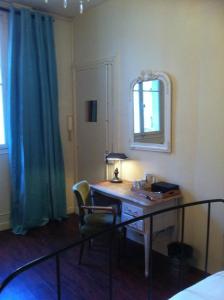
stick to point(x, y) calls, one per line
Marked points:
point(92, 137)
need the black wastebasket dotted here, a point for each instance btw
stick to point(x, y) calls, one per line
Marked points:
point(180, 255)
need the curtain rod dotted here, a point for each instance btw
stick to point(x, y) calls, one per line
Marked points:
point(17, 12)
point(7, 10)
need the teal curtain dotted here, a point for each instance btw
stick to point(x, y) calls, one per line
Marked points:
point(35, 151)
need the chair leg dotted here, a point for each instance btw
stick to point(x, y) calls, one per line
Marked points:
point(90, 244)
point(124, 239)
point(119, 253)
point(122, 245)
point(81, 252)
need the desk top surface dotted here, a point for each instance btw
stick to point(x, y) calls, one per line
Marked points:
point(123, 191)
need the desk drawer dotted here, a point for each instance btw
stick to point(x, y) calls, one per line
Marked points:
point(132, 210)
point(139, 225)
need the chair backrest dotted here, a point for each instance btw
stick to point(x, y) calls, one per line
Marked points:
point(82, 192)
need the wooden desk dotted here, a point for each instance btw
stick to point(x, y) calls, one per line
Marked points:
point(135, 204)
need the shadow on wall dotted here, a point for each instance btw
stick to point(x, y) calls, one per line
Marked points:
point(196, 236)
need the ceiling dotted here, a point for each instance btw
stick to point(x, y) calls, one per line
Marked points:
point(57, 6)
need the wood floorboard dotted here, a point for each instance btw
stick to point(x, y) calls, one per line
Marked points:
point(88, 281)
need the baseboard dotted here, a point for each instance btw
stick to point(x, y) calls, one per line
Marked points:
point(71, 210)
point(5, 226)
point(4, 220)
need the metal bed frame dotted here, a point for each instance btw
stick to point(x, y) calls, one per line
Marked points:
point(111, 230)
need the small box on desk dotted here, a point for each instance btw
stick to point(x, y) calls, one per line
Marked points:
point(164, 187)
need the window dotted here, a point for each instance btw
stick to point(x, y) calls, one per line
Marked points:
point(2, 121)
point(3, 61)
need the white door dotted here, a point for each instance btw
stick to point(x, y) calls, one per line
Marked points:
point(93, 103)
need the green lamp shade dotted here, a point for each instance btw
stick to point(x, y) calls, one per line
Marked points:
point(116, 156)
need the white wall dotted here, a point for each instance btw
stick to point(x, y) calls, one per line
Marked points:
point(185, 39)
point(64, 52)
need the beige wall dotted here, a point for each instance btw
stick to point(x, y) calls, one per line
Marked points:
point(4, 192)
point(64, 53)
point(63, 41)
point(185, 39)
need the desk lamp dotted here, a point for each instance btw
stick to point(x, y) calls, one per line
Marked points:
point(119, 157)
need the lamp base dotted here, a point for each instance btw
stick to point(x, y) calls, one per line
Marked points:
point(116, 180)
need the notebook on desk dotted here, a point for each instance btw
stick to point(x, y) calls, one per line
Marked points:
point(148, 194)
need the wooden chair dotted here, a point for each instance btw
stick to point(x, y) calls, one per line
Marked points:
point(93, 219)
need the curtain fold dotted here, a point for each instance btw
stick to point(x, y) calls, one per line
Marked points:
point(35, 151)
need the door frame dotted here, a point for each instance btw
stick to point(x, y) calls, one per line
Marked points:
point(109, 64)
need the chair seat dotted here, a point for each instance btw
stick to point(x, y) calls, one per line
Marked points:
point(99, 219)
point(97, 222)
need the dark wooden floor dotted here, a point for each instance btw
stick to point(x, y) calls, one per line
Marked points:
point(81, 282)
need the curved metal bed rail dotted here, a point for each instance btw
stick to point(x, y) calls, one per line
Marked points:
point(57, 253)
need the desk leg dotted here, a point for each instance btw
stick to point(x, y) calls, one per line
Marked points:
point(147, 247)
point(177, 223)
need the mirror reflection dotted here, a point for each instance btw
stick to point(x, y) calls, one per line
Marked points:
point(148, 111)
